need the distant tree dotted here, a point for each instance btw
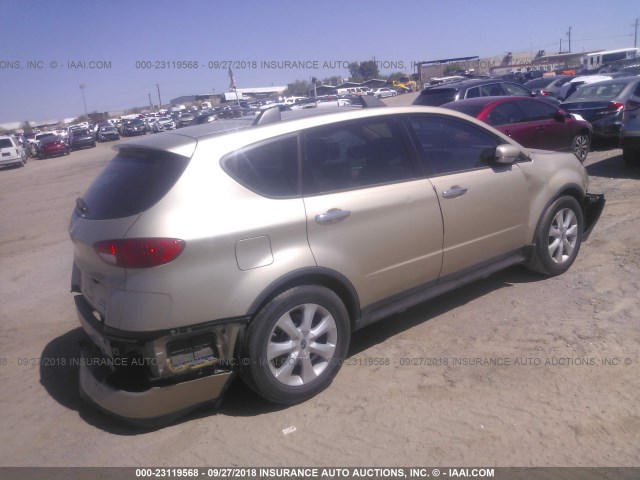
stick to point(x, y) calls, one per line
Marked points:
point(97, 117)
point(298, 88)
point(333, 80)
point(368, 70)
point(363, 71)
point(26, 126)
point(396, 76)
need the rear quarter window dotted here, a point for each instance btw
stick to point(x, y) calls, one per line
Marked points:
point(134, 181)
point(436, 97)
point(269, 168)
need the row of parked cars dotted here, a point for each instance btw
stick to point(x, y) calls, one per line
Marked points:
point(565, 113)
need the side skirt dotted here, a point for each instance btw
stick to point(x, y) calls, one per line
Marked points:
point(403, 301)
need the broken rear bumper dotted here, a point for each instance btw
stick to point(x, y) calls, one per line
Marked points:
point(152, 378)
point(153, 406)
point(593, 204)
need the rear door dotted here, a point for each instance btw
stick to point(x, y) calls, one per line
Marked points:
point(549, 132)
point(369, 214)
point(484, 207)
point(509, 118)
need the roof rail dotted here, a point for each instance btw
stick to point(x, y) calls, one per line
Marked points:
point(269, 115)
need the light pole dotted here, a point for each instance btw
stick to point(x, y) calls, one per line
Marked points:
point(84, 100)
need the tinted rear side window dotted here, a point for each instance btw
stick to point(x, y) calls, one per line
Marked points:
point(134, 181)
point(269, 169)
point(5, 143)
point(355, 154)
point(436, 97)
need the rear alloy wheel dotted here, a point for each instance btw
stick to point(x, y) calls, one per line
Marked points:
point(580, 146)
point(296, 344)
point(558, 237)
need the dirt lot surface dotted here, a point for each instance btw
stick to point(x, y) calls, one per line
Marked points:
point(513, 370)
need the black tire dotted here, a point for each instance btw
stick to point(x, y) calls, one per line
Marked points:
point(580, 146)
point(315, 350)
point(630, 157)
point(554, 240)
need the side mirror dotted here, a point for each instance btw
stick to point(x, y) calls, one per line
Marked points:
point(506, 154)
point(559, 116)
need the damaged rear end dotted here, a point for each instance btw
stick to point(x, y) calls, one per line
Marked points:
point(135, 363)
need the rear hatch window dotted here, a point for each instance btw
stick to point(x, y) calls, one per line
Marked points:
point(134, 180)
point(436, 97)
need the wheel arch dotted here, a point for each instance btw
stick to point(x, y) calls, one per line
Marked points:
point(324, 277)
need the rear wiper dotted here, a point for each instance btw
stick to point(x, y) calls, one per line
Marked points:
point(82, 206)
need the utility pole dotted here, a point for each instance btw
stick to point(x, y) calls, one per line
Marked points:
point(635, 35)
point(159, 99)
point(569, 35)
point(150, 103)
point(84, 100)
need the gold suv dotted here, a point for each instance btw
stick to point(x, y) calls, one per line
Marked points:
point(258, 247)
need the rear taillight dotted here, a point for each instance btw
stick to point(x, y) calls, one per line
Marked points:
point(139, 252)
point(614, 107)
point(545, 93)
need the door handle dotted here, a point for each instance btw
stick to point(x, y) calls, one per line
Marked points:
point(455, 192)
point(334, 215)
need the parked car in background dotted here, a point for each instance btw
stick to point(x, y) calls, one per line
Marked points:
point(167, 123)
point(107, 133)
point(35, 141)
point(480, 87)
point(602, 105)
point(183, 119)
point(532, 122)
point(572, 85)
point(81, 138)
point(11, 152)
point(132, 127)
point(272, 282)
point(53, 146)
point(150, 124)
point(383, 92)
point(548, 86)
point(630, 128)
point(204, 116)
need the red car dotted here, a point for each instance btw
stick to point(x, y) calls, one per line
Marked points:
point(532, 122)
point(52, 146)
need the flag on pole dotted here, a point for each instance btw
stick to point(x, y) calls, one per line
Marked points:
point(232, 80)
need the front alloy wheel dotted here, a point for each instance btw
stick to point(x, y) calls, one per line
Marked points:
point(558, 237)
point(295, 346)
point(580, 146)
point(563, 235)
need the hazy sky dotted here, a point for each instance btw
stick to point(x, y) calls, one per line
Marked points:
point(257, 37)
